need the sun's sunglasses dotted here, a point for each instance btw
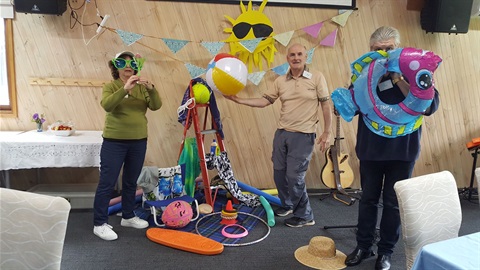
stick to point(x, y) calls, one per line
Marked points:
point(121, 63)
point(259, 30)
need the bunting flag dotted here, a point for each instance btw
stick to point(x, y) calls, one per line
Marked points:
point(127, 37)
point(284, 38)
point(194, 71)
point(330, 39)
point(342, 18)
point(281, 70)
point(175, 45)
point(314, 29)
point(213, 47)
point(256, 77)
point(251, 44)
point(310, 55)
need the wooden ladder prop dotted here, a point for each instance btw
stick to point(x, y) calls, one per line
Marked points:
point(193, 119)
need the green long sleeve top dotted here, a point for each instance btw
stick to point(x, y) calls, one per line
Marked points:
point(126, 114)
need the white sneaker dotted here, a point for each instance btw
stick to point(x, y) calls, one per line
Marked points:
point(105, 232)
point(134, 222)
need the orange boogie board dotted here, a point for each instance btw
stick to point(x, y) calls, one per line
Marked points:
point(185, 241)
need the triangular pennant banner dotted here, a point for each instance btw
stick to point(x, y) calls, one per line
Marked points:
point(330, 39)
point(342, 18)
point(194, 71)
point(310, 55)
point(251, 44)
point(175, 45)
point(127, 37)
point(284, 38)
point(314, 29)
point(281, 70)
point(213, 47)
point(256, 77)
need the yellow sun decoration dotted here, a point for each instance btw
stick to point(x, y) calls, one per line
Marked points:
point(249, 25)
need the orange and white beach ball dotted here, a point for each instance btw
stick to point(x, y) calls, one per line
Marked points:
point(226, 74)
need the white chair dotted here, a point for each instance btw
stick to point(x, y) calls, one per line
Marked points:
point(477, 176)
point(32, 230)
point(429, 210)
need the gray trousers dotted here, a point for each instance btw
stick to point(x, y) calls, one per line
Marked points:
point(292, 152)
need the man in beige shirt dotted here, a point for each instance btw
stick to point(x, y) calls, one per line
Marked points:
point(304, 95)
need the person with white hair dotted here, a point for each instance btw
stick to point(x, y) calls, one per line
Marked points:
point(304, 96)
point(383, 162)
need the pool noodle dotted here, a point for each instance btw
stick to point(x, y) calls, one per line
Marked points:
point(118, 207)
point(268, 210)
point(118, 199)
point(268, 197)
point(273, 191)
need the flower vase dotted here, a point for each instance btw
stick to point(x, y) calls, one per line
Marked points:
point(39, 127)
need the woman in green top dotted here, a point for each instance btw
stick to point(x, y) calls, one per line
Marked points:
point(125, 100)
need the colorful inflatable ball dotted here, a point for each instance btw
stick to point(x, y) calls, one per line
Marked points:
point(226, 74)
point(177, 214)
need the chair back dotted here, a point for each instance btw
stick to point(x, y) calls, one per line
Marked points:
point(477, 176)
point(429, 211)
point(33, 228)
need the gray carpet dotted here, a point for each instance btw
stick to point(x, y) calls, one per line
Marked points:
point(83, 250)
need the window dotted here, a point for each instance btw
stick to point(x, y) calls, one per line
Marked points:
point(8, 94)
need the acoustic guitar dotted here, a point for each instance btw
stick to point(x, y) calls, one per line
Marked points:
point(337, 173)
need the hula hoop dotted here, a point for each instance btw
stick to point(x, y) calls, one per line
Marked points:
point(241, 244)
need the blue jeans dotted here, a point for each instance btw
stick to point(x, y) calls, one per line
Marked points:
point(292, 152)
point(113, 155)
point(376, 175)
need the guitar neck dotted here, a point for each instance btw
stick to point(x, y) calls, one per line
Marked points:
point(337, 136)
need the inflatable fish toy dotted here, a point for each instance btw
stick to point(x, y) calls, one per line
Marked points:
point(389, 120)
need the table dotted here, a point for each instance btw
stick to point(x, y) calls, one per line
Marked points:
point(32, 149)
point(456, 253)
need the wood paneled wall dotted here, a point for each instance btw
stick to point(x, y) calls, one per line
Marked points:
point(48, 46)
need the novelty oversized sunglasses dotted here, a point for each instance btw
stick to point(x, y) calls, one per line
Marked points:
point(121, 63)
point(259, 30)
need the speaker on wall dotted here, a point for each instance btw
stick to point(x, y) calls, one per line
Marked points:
point(54, 7)
point(446, 16)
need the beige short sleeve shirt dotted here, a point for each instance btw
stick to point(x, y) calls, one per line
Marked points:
point(300, 99)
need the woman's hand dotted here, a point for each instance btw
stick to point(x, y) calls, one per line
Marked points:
point(133, 80)
point(130, 84)
point(145, 82)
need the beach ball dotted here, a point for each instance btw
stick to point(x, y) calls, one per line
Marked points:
point(177, 214)
point(201, 93)
point(226, 74)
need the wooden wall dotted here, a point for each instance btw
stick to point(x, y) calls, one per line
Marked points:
point(53, 46)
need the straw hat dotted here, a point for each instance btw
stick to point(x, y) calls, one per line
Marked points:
point(321, 254)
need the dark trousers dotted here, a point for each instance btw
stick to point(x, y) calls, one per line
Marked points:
point(378, 176)
point(292, 152)
point(113, 155)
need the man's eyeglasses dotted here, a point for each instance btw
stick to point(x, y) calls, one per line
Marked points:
point(259, 30)
point(121, 63)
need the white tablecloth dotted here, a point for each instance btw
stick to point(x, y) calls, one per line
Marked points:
point(32, 149)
